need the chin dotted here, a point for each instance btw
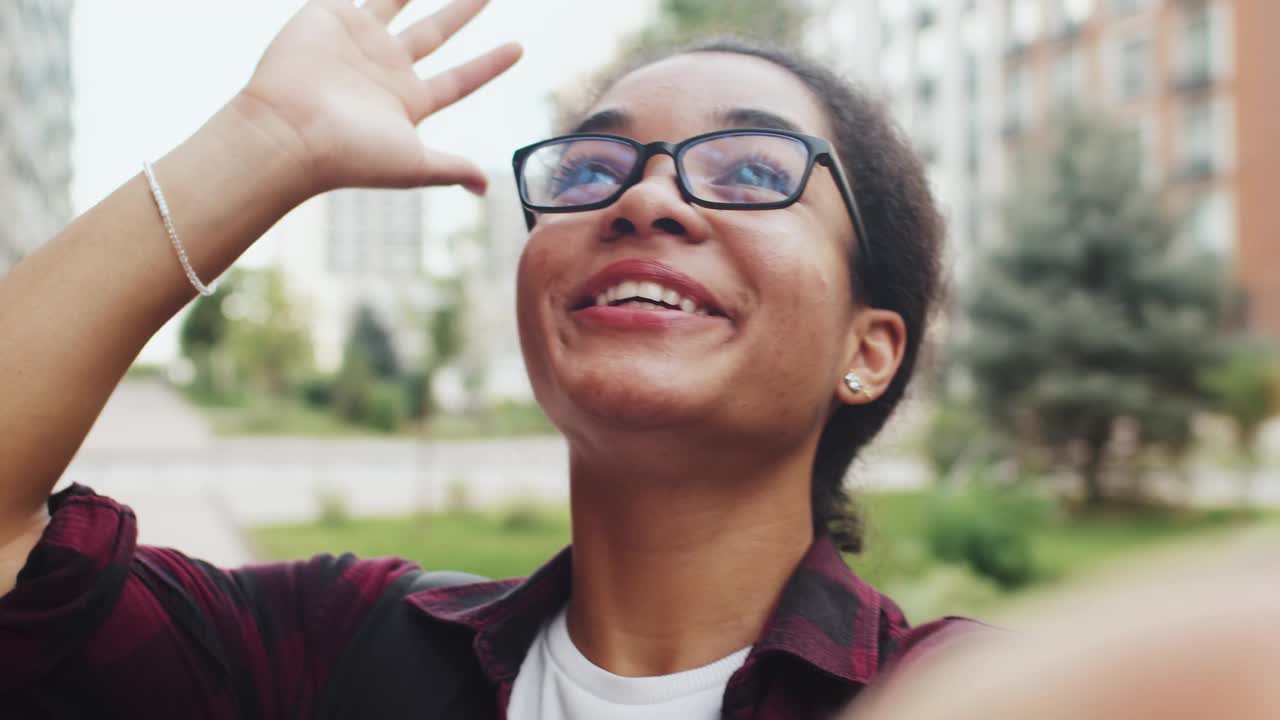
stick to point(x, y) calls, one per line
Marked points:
point(622, 400)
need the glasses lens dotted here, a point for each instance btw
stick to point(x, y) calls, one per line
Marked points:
point(576, 172)
point(746, 168)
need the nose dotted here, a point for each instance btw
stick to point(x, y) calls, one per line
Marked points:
point(655, 205)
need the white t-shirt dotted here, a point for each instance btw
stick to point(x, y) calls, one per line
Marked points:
point(557, 682)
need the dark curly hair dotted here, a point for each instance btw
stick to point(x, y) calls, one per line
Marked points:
point(905, 233)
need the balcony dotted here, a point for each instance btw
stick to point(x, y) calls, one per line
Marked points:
point(1195, 168)
point(1194, 77)
point(1067, 30)
point(925, 17)
point(1012, 127)
point(1015, 50)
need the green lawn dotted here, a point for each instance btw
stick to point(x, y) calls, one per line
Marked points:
point(279, 418)
point(288, 416)
point(496, 545)
point(896, 559)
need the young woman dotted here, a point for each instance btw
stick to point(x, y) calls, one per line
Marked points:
point(731, 261)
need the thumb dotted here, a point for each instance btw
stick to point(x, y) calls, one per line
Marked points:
point(441, 168)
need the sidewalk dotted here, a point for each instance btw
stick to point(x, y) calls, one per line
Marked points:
point(146, 414)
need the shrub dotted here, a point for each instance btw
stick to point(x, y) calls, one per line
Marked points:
point(989, 529)
point(945, 590)
point(386, 406)
point(956, 437)
point(353, 387)
point(522, 515)
point(457, 496)
point(416, 386)
point(317, 391)
point(334, 511)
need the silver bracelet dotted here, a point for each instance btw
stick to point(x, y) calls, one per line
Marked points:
point(163, 206)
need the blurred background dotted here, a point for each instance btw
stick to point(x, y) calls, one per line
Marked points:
point(1103, 379)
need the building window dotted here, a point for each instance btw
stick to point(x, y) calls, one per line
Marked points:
point(1124, 7)
point(375, 231)
point(1069, 76)
point(1149, 164)
point(1198, 140)
point(930, 51)
point(1131, 78)
point(1209, 226)
point(1195, 49)
point(1017, 100)
point(1024, 22)
point(895, 66)
point(1070, 16)
point(974, 30)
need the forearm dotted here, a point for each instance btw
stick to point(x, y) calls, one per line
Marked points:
point(75, 314)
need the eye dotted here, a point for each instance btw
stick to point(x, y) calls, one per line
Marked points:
point(580, 172)
point(756, 172)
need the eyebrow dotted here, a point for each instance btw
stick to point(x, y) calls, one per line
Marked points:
point(605, 121)
point(612, 121)
point(754, 118)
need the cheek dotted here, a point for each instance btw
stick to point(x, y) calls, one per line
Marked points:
point(801, 280)
point(805, 314)
point(537, 265)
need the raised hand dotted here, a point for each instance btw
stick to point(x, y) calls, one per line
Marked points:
point(341, 94)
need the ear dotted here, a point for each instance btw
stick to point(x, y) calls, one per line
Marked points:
point(877, 341)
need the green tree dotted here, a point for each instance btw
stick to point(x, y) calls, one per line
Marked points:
point(1245, 388)
point(205, 326)
point(202, 341)
point(266, 335)
point(371, 336)
point(1091, 311)
point(678, 22)
point(444, 328)
point(367, 389)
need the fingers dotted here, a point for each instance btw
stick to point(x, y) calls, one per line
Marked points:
point(429, 33)
point(385, 10)
point(447, 169)
point(452, 85)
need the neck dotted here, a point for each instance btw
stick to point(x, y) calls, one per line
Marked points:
point(676, 565)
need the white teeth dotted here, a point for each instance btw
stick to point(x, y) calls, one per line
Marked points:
point(648, 290)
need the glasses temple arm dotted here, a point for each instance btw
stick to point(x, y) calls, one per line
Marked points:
point(851, 203)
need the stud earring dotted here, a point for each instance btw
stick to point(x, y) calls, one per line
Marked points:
point(854, 383)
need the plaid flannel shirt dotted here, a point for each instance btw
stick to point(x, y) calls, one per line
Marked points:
point(98, 626)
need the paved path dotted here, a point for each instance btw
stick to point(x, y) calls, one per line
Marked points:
point(193, 490)
point(139, 417)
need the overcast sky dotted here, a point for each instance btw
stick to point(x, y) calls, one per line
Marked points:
point(147, 73)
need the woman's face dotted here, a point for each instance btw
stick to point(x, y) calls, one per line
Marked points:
point(764, 363)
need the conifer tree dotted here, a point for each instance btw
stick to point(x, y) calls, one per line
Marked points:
point(1092, 310)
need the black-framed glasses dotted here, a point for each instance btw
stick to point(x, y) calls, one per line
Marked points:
point(741, 169)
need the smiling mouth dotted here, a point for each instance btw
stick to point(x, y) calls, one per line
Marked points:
point(647, 295)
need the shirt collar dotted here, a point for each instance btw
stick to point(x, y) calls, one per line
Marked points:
point(826, 617)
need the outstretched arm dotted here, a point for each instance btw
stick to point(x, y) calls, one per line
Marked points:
point(334, 103)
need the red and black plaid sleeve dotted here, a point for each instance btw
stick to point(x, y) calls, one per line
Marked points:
point(99, 625)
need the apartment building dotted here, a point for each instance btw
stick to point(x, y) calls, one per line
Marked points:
point(973, 81)
point(357, 247)
point(35, 124)
point(1193, 78)
point(937, 64)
